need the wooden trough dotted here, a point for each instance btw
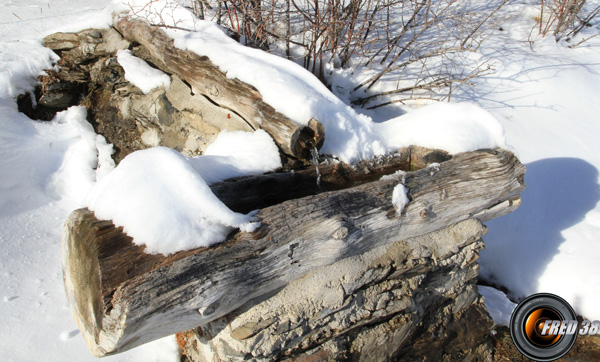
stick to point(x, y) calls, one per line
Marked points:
point(122, 297)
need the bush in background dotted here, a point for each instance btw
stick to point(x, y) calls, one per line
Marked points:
point(401, 49)
point(565, 18)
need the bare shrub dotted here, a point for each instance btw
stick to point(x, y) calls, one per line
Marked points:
point(396, 50)
point(565, 18)
point(408, 49)
point(198, 8)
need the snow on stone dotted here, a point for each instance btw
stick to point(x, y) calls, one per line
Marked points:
point(140, 74)
point(499, 306)
point(37, 194)
point(399, 198)
point(289, 88)
point(19, 71)
point(163, 203)
point(163, 199)
point(544, 94)
point(295, 92)
point(87, 159)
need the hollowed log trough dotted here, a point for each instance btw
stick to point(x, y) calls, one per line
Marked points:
point(122, 297)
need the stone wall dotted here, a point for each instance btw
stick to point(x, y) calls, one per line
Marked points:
point(90, 74)
point(415, 299)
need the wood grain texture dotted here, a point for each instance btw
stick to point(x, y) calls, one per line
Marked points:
point(122, 297)
point(257, 192)
point(207, 79)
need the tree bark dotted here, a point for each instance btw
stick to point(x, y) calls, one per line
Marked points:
point(207, 79)
point(122, 297)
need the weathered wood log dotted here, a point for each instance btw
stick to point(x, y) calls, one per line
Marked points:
point(257, 192)
point(363, 309)
point(122, 297)
point(241, 98)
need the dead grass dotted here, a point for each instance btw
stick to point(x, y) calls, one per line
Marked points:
point(586, 349)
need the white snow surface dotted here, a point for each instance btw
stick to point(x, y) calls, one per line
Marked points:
point(498, 304)
point(163, 199)
point(454, 127)
point(140, 73)
point(86, 161)
point(399, 198)
point(398, 175)
point(547, 99)
point(238, 153)
point(46, 167)
point(544, 94)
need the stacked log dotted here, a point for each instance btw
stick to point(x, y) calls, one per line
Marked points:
point(336, 271)
point(200, 102)
point(122, 297)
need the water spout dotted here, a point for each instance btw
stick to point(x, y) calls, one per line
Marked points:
point(315, 160)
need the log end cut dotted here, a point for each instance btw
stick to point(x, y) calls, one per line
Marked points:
point(307, 138)
point(81, 272)
point(97, 258)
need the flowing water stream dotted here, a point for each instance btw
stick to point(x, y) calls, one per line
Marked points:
point(315, 160)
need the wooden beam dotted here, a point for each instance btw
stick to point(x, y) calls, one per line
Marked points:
point(207, 79)
point(122, 297)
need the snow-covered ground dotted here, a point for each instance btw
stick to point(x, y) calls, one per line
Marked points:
point(43, 175)
point(545, 95)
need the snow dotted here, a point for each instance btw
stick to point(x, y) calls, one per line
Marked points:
point(86, 160)
point(34, 19)
point(45, 168)
point(19, 71)
point(398, 175)
point(163, 199)
point(454, 127)
point(543, 94)
point(243, 153)
point(140, 73)
point(399, 198)
point(546, 96)
point(499, 306)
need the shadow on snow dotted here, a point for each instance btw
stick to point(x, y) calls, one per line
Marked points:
point(519, 246)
